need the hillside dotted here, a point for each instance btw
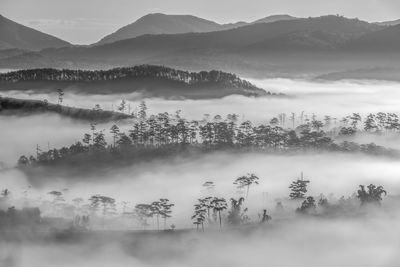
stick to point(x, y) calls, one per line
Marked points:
point(386, 40)
point(147, 80)
point(175, 24)
point(161, 24)
point(15, 35)
point(376, 73)
point(13, 106)
point(274, 18)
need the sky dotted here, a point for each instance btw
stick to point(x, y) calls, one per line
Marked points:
point(87, 21)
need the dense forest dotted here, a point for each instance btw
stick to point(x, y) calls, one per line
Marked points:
point(170, 134)
point(127, 72)
point(141, 71)
point(150, 80)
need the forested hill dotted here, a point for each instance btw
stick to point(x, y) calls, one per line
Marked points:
point(14, 106)
point(150, 79)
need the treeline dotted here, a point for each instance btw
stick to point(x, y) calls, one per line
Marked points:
point(141, 71)
point(210, 210)
point(165, 134)
point(379, 123)
point(14, 106)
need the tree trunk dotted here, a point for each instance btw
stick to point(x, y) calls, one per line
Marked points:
point(220, 222)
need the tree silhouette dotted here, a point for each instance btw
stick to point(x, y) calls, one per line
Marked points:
point(219, 204)
point(298, 188)
point(114, 130)
point(99, 141)
point(265, 217)
point(156, 209)
point(60, 93)
point(142, 212)
point(372, 195)
point(308, 206)
point(235, 214)
point(5, 194)
point(142, 110)
point(166, 210)
point(209, 185)
point(105, 203)
point(199, 215)
point(122, 106)
point(246, 181)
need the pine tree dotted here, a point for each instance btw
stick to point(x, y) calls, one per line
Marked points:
point(298, 188)
point(115, 131)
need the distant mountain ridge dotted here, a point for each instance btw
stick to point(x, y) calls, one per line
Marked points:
point(17, 36)
point(158, 23)
point(385, 40)
point(312, 46)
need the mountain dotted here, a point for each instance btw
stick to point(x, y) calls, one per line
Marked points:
point(175, 24)
point(386, 40)
point(330, 29)
point(144, 80)
point(14, 35)
point(12, 52)
point(274, 18)
point(388, 23)
point(162, 24)
point(312, 45)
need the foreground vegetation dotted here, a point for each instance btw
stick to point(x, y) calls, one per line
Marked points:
point(213, 211)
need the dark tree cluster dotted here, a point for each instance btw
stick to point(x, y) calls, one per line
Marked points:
point(160, 209)
point(165, 134)
point(141, 71)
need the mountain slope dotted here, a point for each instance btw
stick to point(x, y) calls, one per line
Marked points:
point(161, 24)
point(176, 24)
point(14, 35)
point(386, 40)
point(234, 40)
point(274, 18)
point(260, 47)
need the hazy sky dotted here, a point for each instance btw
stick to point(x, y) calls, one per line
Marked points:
point(86, 21)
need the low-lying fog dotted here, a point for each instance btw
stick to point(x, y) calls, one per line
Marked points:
point(359, 243)
point(371, 241)
point(329, 173)
point(322, 98)
point(336, 99)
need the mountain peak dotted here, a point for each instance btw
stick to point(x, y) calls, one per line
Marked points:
point(159, 23)
point(274, 18)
